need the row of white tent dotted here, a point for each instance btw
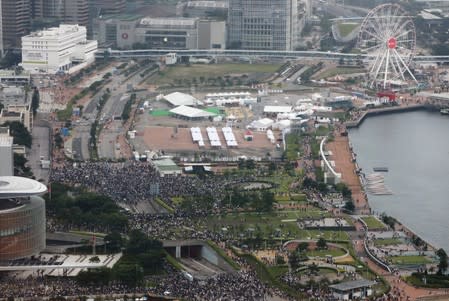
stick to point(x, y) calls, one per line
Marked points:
point(197, 136)
point(229, 136)
point(212, 134)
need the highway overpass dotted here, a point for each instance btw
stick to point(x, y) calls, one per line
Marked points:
point(253, 54)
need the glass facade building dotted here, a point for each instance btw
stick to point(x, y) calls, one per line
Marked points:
point(22, 227)
point(263, 24)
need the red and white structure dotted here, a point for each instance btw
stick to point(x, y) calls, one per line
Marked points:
point(388, 36)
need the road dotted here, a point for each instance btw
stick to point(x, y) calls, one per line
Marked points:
point(40, 148)
point(107, 143)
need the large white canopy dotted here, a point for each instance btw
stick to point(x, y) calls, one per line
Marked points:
point(182, 99)
point(190, 112)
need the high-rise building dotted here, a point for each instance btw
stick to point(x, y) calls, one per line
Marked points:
point(37, 9)
point(108, 7)
point(16, 15)
point(263, 24)
point(76, 12)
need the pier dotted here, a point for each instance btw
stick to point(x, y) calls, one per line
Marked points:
point(387, 110)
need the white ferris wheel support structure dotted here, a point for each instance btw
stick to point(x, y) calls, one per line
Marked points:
point(388, 36)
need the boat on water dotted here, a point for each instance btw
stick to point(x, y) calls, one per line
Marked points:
point(380, 169)
point(444, 111)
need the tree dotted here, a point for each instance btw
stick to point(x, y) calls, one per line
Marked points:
point(302, 247)
point(267, 201)
point(100, 276)
point(59, 141)
point(442, 265)
point(129, 274)
point(20, 167)
point(349, 205)
point(35, 100)
point(114, 241)
point(19, 132)
point(293, 260)
point(321, 244)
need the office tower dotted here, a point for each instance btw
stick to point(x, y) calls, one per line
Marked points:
point(76, 12)
point(263, 24)
point(16, 15)
point(107, 7)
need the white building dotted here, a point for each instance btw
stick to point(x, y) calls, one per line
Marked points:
point(6, 153)
point(64, 48)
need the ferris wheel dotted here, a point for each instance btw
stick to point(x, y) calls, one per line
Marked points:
point(387, 35)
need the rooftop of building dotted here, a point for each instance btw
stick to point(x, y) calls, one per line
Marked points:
point(6, 113)
point(148, 21)
point(4, 130)
point(208, 4)
point(56, 31)
point(14, 187)
point(12, 73)
point(121, 17)
point(6, 140)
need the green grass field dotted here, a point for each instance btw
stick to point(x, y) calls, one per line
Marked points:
point(281, 179)
point(208, 71)
point(321, 271)
point(324, 253)
point(327, 234)
point(297, 198)
point(409, 260)
point(159, 113)
point(276, 224)
point(213, 110)
point(339, 71)
point(346, 28)
point(387, 242)
point(373, 223)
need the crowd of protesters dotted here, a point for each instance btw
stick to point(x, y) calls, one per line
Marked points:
point(132, 182)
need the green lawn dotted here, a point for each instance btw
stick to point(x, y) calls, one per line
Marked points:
point(276, 224)
point(297, 198)
point(177, 200)
point(293, 142)
point(387, 242)
point(409, 260)
point(281, 179)
point(160, 113)
point(208, 71)
point(324, 253)
point(216, 111)
point(321, 272)
point(327, 234)
point(339, 71)
point(278, 270)
point(373, 223)
point(346, 28)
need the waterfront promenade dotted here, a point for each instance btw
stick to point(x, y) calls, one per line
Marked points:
point(388, 110)
point(342, 156)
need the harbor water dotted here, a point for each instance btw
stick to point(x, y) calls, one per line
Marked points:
point(415, 148)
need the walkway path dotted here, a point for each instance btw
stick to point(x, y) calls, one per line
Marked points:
point(341, 155)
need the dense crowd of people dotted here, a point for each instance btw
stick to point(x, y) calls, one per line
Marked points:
point(133, 181)
point(13, 287)
point(243, 285)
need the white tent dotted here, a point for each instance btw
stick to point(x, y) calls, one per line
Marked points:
point(190, 112)
point(261, 124)
point(282, 124)
point(182, 99)
point(277, 109)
